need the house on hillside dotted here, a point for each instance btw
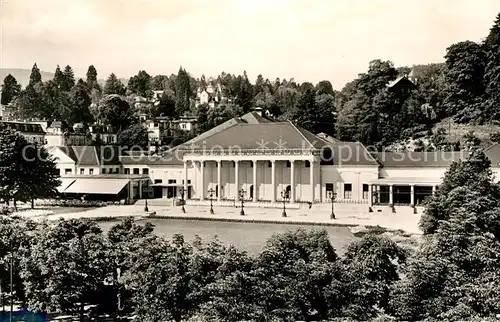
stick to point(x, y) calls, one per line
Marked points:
point(402, 84)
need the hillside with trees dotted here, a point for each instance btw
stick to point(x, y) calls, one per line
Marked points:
point(373, 108)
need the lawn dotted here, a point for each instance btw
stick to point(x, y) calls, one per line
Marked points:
point(246, 236)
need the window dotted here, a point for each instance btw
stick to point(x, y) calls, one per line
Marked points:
point(172, 181)
point(326, 157)
point(158, 181)
point(67, 171)
point(127, 170)
point(145, 171)
point(347, 190)
point(189, 181)
point(82, 171)
point(308, 164)
point(103, 170)
point(329, 187)
point(269, 164)
point(117, 170)
point(91, 171)
point(136, 170)
point(365, 191)
point(251, 164)
point(183, 126)
point(288, 164)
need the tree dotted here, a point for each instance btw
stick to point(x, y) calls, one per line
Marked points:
point(79, 110)
point(140, 84)
point(27, 171)
point(183, 92)
point(69, 79)
point(35, 76)
point(59, 78)
point(313, 116)
point(295, 269)
point(92, 83)
point(492, 69)
point(227, 287)
point(166, 106)
point(324, 87)
point(66, 268)
point(159, 83)
point(465, 63)
point(10, 89)
point(242, 92)
point(161, 271)
point(114, 86)
point(116, 111)
point(451, 275)
point(135, 135)
point(370, 269)
point(125, 239)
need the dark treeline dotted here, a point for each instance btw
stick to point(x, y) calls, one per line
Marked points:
point(464, 87)
point(451, 275)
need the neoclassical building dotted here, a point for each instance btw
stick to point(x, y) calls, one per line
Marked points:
point(269, 160)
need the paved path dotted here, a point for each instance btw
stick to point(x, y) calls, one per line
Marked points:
point(318, 214)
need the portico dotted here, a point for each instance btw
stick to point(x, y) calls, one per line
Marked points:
point(262, 174)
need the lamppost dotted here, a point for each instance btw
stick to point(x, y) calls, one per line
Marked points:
point(146, 209)
point(242, 195)
point(375, 200)
point(182, 191)
point(332, 195)
point(284, 196)
point(211, 195)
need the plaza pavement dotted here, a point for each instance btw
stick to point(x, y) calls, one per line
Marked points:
point(319, 214)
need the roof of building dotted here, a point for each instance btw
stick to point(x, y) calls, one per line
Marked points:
point(352, 153)
point(89, 155)
point(254, 118)
point(172, 157)
point(273, 135)
point(400, 79)
point(441, 159)
point(28, 128)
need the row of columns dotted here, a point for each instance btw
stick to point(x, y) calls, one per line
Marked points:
point(391, 193)
point(254, 173)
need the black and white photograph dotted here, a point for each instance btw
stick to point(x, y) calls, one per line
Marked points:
point(249, 160)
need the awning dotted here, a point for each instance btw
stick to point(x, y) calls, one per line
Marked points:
point(97, 186)
point(399, 181)
point(65, 183)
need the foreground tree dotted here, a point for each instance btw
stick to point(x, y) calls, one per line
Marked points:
point(66, 268)
point(296, 269)
point(161, 272)
point(27, 171)
point(10, 89)
point(451, 275)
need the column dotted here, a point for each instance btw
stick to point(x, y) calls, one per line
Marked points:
point(219, 188)
point(202, 179)
point(130, 190)
point(185, 180)
point(140, 189)
point(237, 178)
point(292, 181)
point(370, 195)
point(412, 195)
point(273, 181)
point(433, 190)
point(378, 194)
point(254, 180)
point(391, 199)
point(312, 179)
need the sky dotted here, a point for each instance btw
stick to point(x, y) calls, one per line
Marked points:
point(309, 40)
